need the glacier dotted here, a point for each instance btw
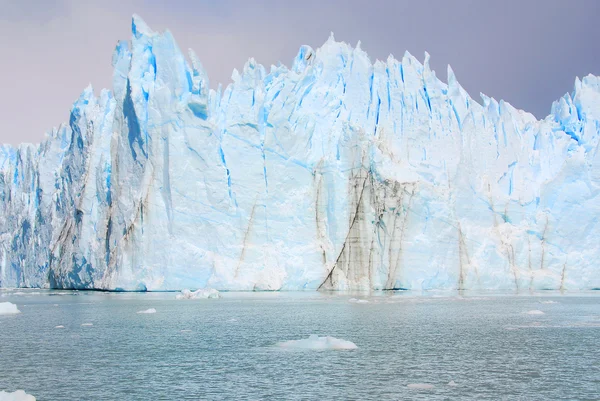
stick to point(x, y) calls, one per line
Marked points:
point(334, 174)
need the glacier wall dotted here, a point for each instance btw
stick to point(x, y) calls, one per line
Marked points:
point(336, 173)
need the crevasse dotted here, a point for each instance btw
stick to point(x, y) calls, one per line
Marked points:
point(334, 174)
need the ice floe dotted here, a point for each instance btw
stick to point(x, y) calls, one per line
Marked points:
point(18, 395)
point(358, 301)
point(7, 308)
point(315, 342)
point(420, 386)
point(147, 311)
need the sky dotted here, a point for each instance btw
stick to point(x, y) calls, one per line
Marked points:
point(527, 52)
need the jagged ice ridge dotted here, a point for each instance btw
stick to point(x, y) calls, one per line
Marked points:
point(335, 174)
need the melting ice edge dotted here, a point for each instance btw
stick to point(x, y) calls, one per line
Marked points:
point(335, 174)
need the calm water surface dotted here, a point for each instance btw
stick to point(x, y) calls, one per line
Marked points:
point(225, 349)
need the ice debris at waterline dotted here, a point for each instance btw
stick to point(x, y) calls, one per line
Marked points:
point(314, 342)
point(336, 173)
point(8, 308)
point(147, 311)
point(208, 293)
point(18, 395)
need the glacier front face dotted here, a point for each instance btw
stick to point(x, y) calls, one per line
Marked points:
point(335, 174)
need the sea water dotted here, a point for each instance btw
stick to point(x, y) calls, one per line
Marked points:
point(69, 345)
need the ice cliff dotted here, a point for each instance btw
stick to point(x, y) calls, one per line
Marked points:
point(336, 173)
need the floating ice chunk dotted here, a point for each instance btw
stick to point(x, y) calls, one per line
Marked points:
point(420, 386)
point(451, 383)
point(148, 311)
point(59, 327)
point(18, 395)
point(87, 324)
point(232, 320)
point(548, 302)
point(358, 301)
point(203, 293)
point(186, 331)
point(315, 342)
point(534, 312)
point(7, 308)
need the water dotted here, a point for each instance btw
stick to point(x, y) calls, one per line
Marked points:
point(225, 348)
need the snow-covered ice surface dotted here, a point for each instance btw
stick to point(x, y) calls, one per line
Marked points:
point(8, 308)
point(18, 395)
point(192, 350)
point(335, 173)
point(314, 342)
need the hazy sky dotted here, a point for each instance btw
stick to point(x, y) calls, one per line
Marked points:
point(527, 52)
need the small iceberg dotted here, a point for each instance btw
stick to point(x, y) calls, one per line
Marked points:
point(7, 308)
point(358, 301)
point(315, 342)
point(451, 383)
point(87, 324)
point(203, 293)
point(420, 386)
point(534, 312)
point(59, 327)
point(18, 395)
point(548, 302)
point(147, 311)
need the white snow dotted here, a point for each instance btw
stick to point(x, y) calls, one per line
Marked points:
point(203, 293)
point(314, 342)
point(534, 312)
point(148, 311)
point(18, 395)
point(420, 386)
point(7, 308)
